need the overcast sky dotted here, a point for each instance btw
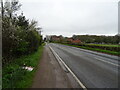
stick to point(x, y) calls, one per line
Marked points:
point(68, 17)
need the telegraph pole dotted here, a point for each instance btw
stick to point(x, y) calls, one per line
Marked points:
point(2, 10)
point(1, 18)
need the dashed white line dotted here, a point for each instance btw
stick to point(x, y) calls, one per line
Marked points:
point(107, 62)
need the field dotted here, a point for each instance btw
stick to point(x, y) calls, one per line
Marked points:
point(108, 45)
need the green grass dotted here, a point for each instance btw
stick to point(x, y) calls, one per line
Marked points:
point(108, 45)
point(16, 77)
point(96, 49)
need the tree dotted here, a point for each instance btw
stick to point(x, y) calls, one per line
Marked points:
point(22, 22)
point(11, 7)
point(19, 35)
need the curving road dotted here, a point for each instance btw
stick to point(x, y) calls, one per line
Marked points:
point(95, 70)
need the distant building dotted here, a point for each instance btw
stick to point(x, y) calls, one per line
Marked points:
point(77, 41)
point(74, 41)
point(63, 39)
point(69, 40)
point(56, 38)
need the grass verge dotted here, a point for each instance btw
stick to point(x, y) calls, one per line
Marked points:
point(14, 76)
point(108, 45)
point(96, 49)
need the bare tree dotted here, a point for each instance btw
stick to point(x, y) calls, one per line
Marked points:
point(11, 7)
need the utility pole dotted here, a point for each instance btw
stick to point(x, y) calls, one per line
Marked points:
point(1, 18)
point(2, 9)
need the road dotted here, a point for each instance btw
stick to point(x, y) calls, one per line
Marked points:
point(93, 69)
point(49, 73)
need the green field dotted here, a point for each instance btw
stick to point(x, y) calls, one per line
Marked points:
point(14, 76)
point(108, 45)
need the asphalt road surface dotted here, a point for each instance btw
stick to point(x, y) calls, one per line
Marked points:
point(93, 69)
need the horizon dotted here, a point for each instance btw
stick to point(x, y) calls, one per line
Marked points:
point(77, 35)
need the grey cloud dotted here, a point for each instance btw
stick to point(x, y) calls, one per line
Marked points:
point(74, 17)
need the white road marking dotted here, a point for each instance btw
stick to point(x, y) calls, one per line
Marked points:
point(107, 62)
point(79, 82)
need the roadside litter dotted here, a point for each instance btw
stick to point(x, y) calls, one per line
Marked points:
point(28, 68)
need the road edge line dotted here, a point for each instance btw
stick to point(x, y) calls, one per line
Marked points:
point(79, 82)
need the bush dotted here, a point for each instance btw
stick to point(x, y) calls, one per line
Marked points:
point(18, 40)
point(34, 41)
